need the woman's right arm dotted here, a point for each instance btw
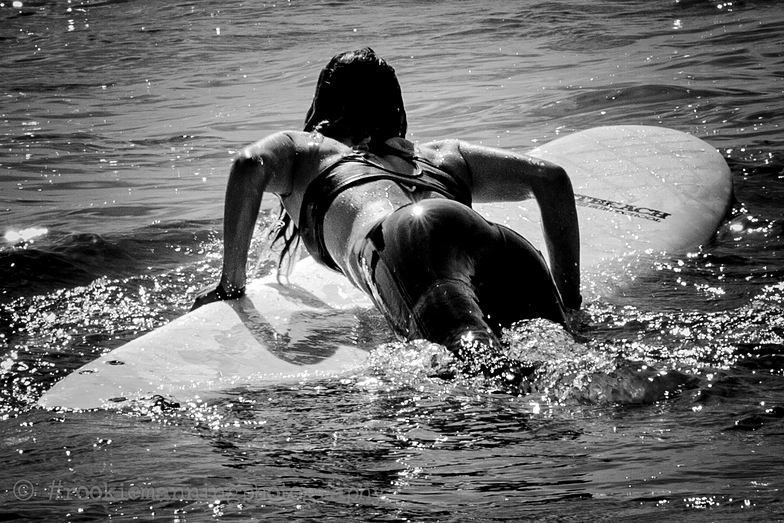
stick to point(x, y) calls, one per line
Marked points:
point(267, 165)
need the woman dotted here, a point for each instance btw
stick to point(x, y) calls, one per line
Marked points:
point(396, 220)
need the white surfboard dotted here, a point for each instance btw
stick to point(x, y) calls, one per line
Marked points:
point(640, 191)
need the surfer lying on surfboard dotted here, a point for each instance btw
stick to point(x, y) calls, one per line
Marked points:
point(396, 219)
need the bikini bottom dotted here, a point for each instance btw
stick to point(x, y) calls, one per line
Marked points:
point(437, 270)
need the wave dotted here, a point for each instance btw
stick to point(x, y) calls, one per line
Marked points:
point(64, 260)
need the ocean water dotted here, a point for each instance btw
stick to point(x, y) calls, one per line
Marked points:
point(118, 120)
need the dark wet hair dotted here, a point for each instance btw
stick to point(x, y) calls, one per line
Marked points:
point(358, 96)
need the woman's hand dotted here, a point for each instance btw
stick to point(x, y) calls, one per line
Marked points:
point(220, 293)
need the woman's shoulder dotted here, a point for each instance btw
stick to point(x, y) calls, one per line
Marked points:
point(314, 143)
point(305, 150)
point(444, 154)
point(446, 148)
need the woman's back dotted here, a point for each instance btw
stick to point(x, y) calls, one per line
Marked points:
point(358, 188)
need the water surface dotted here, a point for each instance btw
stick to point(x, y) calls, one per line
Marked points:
point(118, 122)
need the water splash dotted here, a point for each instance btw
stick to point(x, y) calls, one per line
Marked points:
point(542, 361)
point(25, 235)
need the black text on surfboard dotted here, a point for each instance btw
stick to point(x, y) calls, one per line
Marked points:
point(622, 208)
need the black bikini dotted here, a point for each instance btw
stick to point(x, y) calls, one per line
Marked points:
point(436, 268)
point(323, 190)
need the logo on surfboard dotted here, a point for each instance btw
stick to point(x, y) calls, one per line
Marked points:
point(621, 208)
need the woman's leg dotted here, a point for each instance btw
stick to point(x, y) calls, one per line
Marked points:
point(417, 267)
point(513, 282)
